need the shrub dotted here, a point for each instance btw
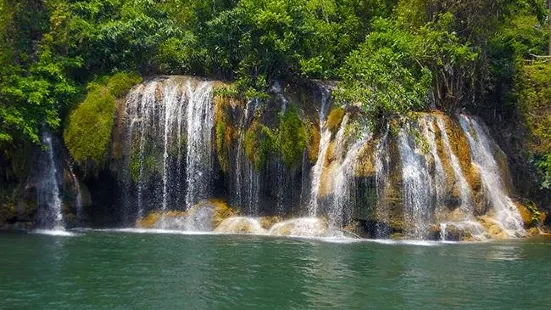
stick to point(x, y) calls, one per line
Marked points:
point(89, 128)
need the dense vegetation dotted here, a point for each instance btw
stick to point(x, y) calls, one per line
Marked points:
point(391, 56)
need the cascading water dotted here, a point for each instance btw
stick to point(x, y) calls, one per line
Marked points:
point(200, 123)
point(417, 179)
point(416, 190)
point(505, 212)
point(344, 189)
point(325, 140)
point(438, 182)
point(172, 116)
point(180, 116)
point(49, 201)
point(466, 194)
point(78, 197)
point(382, 176)
point(246, 192)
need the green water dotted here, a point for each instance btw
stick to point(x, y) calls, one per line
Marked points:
point(116, 270)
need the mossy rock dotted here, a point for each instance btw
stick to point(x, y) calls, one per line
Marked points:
point(334, 119)
point(305, 227)
point(90, 125)
point(239, 225)
point(268, 221)
point(220, 212)
point(366, 160)
point(525, 214)
point(494, 230)
point(314, 143)
point(150, 221)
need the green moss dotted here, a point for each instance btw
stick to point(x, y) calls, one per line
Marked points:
point(293, 137)
point(88, 132)
point(225, 131)
point(120, 83)
point(313, 142)
point(260, 143)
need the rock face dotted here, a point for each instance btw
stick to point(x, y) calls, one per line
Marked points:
point(180, 141)
point(296, 154)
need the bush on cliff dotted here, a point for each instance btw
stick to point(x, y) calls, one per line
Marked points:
point(533, 91)
point(88, 131)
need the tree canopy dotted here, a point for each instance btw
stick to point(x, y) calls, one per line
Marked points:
point(391, 56)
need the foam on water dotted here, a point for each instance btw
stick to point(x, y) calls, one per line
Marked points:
point(54, 232)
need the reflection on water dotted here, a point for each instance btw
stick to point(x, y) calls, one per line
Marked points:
point(105, 270)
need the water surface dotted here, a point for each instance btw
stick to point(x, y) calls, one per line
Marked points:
point(123, 270)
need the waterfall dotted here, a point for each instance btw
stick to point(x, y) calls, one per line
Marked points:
point(382, 176)
point(168, 143)
point(344, 187)
point(466, 195)
point(325, 140)
point(416, 190)
point(505, 212)
point(246, 183)
point(172, 105)
point(50, 215)
point(200, 123)
point(438, 182)
point(78, 196)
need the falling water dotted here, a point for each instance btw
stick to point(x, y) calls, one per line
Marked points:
point(172, 113)
point(246, 190)
point(49, 201)
point(168, 122)
point(78, 196)
point(466, 195)
point(438, 182)
point(140, 109)
point(340, 137)
point(506, 214)
point(200, 122)
point(344, 189)
point(416, 188)
point(382, 176)
point(323, 147)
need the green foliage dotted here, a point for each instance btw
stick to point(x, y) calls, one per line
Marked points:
point(543, 167)
point(533, 97)
point(384, 75)
point(258, 41)
point(534, 94)
point(88, 131)
point(292, 137)
point(397, 69)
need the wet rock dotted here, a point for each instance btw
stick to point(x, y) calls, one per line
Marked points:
point(303, 227)
point(492, 227)
point(204, 216)
point(525, 214)
point(240, 225)
point(268, 221)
